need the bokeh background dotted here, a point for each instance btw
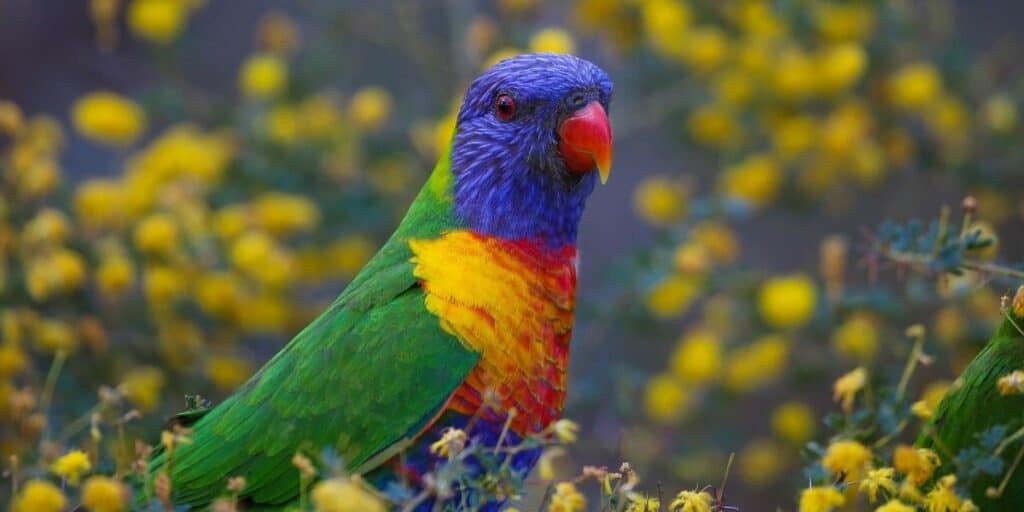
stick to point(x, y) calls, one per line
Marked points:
point(186, 183)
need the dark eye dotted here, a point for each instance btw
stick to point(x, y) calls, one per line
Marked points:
point(504, 107)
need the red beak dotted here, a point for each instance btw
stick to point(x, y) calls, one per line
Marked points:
point(586, 141)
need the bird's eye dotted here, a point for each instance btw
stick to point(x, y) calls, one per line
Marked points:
point(504, 107)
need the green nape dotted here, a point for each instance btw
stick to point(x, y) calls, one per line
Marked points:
point(365, 376)
point(974, 405)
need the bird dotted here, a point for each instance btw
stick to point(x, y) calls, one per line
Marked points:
point(985, 396)
point(462, 318)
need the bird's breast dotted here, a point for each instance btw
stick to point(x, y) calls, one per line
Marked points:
point(513, 302)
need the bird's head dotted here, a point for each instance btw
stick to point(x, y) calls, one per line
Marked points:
point(532, 139)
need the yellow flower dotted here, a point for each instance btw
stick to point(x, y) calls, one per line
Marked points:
point(567, 499)
point(999, 113)
point(349, 254)
point(103, 494)
point(794, 135)
point(844, 21)
point(11, 119)
point(788, 301)
point(319, 117)
point(162, 285)
point(761, 462)
point(565, 430)
point(848, 458)
point(821, 499)
point(698, 357)
point(284, 214)
point(99, 203)
point(915, 85)
point(749, 367)
point(847, 387)
point(278, 33)
point(917, 463)
point(713, 125)
point(930, 398)
point(691, 258)
point(796, 75)
point(227, 373)
point(705, 48)
point(660, 201)
point(345, 495)
point(794, 422)
point(756, 181)
point(552, 40)
point(142, 386)
point(370, 108)
point(157, 234)
point(48, 227)
point(115, 275)
point(673, 295)
point(845, 129)
point(895, 506)
point(54, 336)
point(545, 465)
point(12, 358)
point(219, 293)
point(733, 87)
point(71, 466)
point(692, 501)
point(41, 177)
point(231, 221)
point(453, 441)
point(718, 239)
point(666, 399)
point(840, 67)
point(664, 23)
point(108, 118)
point(1012, 383)
point(40, 496)
point(857, 338)
point(641, 503)
point(881, 479)
point(283, 124)
point(943, 497)
point(263, 76)
point(157, 21)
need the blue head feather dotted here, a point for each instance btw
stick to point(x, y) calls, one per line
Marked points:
point(509, 178)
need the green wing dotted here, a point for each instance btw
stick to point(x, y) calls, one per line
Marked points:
point(367, 375)
point(976, 406)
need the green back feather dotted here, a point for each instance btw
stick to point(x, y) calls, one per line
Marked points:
point(367, 374)
point(974, 405)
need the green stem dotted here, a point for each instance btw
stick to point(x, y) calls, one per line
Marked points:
point(48, 387)
point(908, 370)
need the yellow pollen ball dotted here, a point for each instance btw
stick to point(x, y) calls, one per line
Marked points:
point(263, 76)
point(39, 496)
point(794, 422)
point(157, 21)
point(787, 302)
point(108, 118)
point(157, 234)
point(698, 358)
point(103, 494)
point(552, 40)
point(370, 108)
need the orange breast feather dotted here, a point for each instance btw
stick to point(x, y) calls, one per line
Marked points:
point(512, 302)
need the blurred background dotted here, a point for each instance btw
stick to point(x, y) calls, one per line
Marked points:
point(186, 183)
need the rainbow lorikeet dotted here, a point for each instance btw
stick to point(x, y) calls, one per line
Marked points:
point(473, 294)
point(976, 404)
